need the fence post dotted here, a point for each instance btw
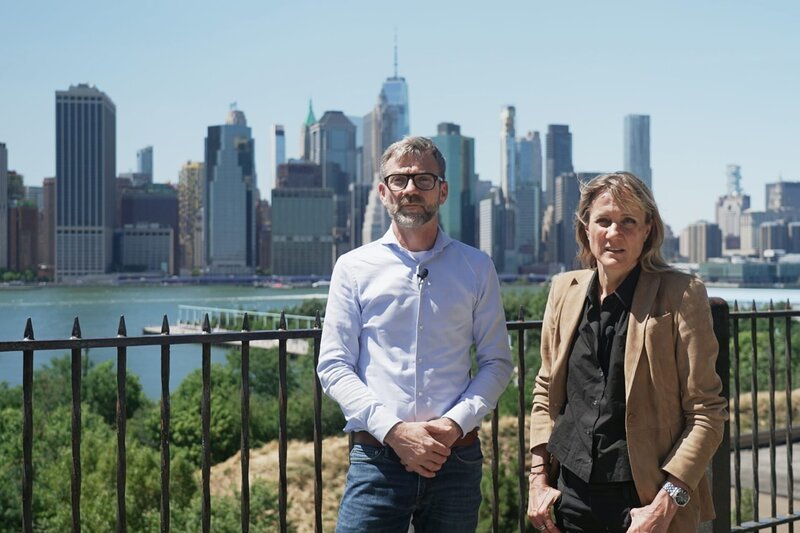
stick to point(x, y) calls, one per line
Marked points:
point(721, 463)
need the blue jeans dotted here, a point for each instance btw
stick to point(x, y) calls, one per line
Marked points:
point(381, 496)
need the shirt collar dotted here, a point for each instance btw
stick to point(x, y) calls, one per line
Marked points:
point(624, 291)
point(442, 240)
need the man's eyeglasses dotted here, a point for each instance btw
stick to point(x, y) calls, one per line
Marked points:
point(424, 181)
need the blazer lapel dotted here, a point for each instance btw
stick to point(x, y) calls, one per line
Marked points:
point(643, 298)
point(570, 317)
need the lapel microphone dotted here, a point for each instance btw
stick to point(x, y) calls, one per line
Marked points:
point(422, 273)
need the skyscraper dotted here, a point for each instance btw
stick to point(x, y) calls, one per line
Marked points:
point(508, 153)
point(305, 136)
point(231, 197)
point(637, 147)
point(333, 148)
point(559, 156)
point(144, 162)
point(3, 206)
point(278, 153)
point(85, 188)
point(388, 122)
point(457, 215)
point(190, 216)
point(529, 197)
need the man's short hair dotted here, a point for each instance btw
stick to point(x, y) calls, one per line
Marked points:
point(417, 146)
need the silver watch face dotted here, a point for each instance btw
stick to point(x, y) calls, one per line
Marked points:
point(679, 496)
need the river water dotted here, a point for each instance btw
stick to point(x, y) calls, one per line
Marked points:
point(52, 310)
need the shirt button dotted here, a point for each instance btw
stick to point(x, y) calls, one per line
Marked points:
point(595, 403)
point(419, 394)
point(420, 328)
point(588, 431)
point(419, 360)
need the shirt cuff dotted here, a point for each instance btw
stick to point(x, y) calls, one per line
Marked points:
point(381, 423)
point(461, 415)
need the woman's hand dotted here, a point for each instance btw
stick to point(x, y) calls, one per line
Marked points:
point(655, 517)
point(541, 498)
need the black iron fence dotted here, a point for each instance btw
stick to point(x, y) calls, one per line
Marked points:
point(743, 362)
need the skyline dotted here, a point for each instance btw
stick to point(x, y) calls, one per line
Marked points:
point(718, 80)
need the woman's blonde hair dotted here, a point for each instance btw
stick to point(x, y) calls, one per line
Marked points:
point(628, 192)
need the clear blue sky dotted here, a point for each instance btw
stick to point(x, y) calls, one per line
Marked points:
point(720, 79)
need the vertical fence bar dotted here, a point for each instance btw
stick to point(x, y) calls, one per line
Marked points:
point(787, 358)
point(495, 472)
point(77, 369)
point(165, 428)
point(245, 448)
point(282, 437)
point(205, 416)
point(773, 480)
point(737, 422)
point(27, 432)
point(122, 419)
point(522, 454)
point(754, 402)
point(721, 462)
point(317, 434)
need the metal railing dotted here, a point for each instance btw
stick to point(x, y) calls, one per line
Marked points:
point(724, 324)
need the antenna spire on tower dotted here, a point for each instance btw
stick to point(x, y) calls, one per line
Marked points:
point(395, 51)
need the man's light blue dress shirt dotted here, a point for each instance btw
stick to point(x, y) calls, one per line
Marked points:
point(396, 348)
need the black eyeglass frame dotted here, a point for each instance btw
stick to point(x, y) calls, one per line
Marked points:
point(413, 177)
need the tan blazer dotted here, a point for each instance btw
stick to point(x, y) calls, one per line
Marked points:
point(674, 412)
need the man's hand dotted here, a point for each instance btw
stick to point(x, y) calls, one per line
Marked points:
point(655, 517)
point(444, 430)
point(417, 448)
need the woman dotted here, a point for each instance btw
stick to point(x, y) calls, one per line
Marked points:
point(627, 400)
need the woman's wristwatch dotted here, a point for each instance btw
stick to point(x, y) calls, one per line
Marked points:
point(679, 496)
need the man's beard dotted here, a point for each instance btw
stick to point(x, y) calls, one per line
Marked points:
point(412, 219)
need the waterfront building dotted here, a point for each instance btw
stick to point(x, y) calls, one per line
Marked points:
point(774, 236)
point(145, 248)
point(299, 173)
point(47, 227)
point(558, 157)
point(85, 192)
point(190, 216)
point(302, 240)
point(457, 215)
point(491, 219)
point(230, 198)
point(783, 198)
point(333, 148)
point(3, 206)
point(701, 241)
point(156, 203)
point(750, 230)
point(376, 219)
point(637, 148)
point(23, 235)
point(729, 211)
point(144, 163)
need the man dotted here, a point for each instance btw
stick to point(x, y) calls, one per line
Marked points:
point(401, 317)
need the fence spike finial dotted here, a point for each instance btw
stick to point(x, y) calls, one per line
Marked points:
point(246, 322)
point(76, 329)
point(788, 305)
point(165, 326)
point(735, 305)
point(317, 320)
point(28, 335)
point(206, 327)
point(282, 322)
point(771, 308)
point(122, 331)
point(754, 305)
point(521, 314)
